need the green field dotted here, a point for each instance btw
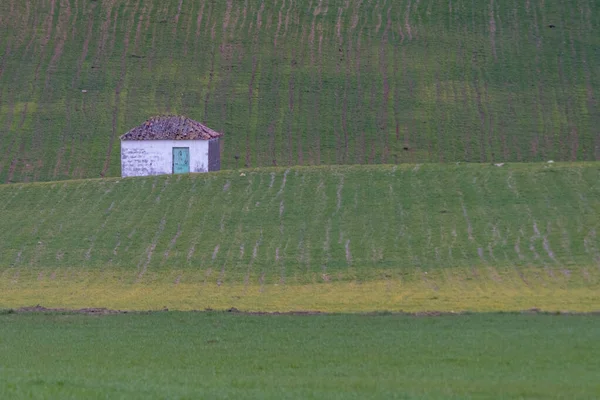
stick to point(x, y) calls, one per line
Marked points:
point(480, 125)
point(229, 356)
point(299, 82)
point(410, 237)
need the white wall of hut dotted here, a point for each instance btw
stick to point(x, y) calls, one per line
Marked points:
point(155, 157)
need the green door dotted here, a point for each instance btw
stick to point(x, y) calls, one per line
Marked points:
point(181, 160)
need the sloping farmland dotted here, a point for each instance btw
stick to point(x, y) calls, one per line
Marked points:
point(299, 82)
point(331, 238)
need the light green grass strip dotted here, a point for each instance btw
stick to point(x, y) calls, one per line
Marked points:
point(448, 290)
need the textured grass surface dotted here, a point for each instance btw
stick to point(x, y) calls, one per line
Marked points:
point(299, 82)
point(218, 356)
point(477, 290)
point(422, 236)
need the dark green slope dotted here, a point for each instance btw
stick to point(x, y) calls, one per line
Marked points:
point(299, 82)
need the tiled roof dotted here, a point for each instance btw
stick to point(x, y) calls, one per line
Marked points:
point(171, 127)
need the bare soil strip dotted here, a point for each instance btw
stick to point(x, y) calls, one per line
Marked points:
point(106, 311)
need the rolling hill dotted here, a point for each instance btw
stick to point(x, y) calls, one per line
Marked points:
point(338, 238)
point(299, 82)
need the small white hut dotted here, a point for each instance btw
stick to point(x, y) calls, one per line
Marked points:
point(170, 145)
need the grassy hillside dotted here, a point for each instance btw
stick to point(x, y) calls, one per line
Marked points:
point(299, 82)
point(470, 228)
